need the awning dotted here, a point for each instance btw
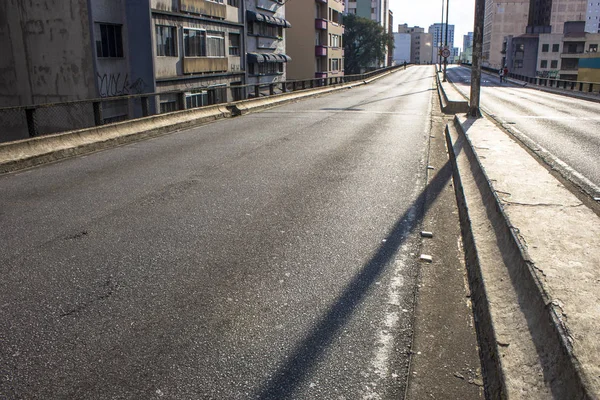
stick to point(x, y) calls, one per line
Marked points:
point(267, 57)
point(267, 19)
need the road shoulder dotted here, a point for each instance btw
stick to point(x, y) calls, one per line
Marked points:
point(445, 360)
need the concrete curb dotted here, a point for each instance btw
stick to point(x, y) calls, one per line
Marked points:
point(43, 149)
point(30, 152)
point(551, 332)
point(451, 101)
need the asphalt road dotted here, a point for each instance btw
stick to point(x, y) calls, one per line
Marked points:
point(566, 127)
point(267, 256)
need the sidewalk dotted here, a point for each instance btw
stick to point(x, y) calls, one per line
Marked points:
point(538, 293)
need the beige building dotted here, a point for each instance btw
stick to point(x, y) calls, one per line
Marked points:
point(501, 19)
point(197, 51)
point(314, 42)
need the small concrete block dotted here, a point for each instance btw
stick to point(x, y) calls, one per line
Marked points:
point(426, 234)
point(426, 258)
point(430, 167)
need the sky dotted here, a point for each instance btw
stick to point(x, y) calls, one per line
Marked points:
point(429, 12)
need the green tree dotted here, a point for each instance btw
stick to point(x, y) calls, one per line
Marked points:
point(365, 43)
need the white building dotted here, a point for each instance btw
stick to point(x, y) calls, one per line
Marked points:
point(401, 48)
point(592, 17)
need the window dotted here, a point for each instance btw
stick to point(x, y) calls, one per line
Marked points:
point(335, 40)
point(518, 63)
point(234, 44)
point(233, 3)
point(334, 64)
point(194, 43)
point(555, 48)
point(215, 44)
point(109, 40)
point(554, 64)
point(193, 100)
point(593, 48)
point(545, 48)
point(521, 47)
point(198, 43)
point(544, 64)
point(265, 68)
point(165, 41)
point(262, 29)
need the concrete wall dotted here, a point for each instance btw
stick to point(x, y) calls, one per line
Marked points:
point(46, 52)
point(589, 69)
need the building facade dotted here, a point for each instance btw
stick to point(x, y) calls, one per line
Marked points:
point(438, 35)
point(314, 42)
point(198, 52)
point(592, 17)
point(266, 28)
point(502, 19)
point(401, 51)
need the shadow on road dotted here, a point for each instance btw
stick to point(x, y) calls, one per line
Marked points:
point(303, 359)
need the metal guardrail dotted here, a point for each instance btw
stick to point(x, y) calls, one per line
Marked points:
point(564, 84)
point(23, 122)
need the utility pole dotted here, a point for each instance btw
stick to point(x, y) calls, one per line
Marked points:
point(439, 42)
point(446, 40)
point(477, 55)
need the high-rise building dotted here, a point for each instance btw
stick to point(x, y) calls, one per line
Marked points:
point(467, 41)
point(315, 41)
point(501, 19)
point(592, 17)
point(438, 35)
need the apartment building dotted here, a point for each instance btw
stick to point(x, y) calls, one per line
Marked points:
point(420, 48)
point(266, 28)
point(198, 51)
point(75, 50)
point(502, 19)
point(315, 40)
point(438, 35)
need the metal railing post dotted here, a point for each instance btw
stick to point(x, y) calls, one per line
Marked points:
point(31, 121)
point(284, 87)
point(271, 89)
point(98, 119)
point(145, 100)
point(256, 91)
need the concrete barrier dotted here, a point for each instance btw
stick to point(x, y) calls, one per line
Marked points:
point(451, 101)
point(43, 149)
point(34, 151)
point(534, 286)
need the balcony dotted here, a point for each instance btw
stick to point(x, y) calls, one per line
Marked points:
point(196, 65)
point(204, 7)
point(320, 23)
point(320, 51)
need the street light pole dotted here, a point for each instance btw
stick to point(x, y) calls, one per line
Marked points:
point(446, 40)
point(474, 111)
point(439, 42)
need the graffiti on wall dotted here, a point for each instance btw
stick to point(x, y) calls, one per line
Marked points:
point(117, 84)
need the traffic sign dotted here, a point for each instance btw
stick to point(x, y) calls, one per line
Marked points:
point(446, 52)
